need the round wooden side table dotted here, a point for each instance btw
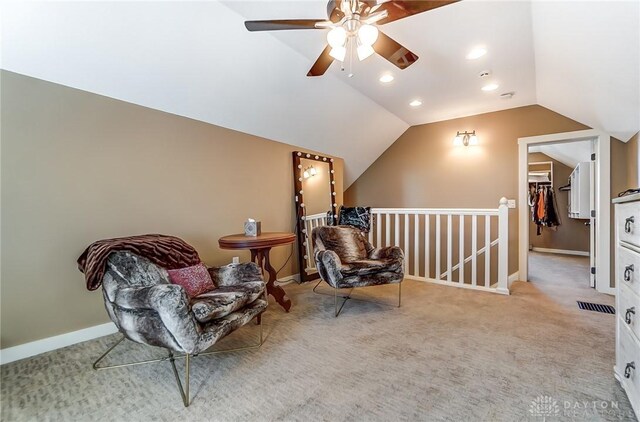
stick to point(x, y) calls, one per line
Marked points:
point(260, 247)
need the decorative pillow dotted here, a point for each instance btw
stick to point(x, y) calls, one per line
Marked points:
point(359, 217)
point(195, 279)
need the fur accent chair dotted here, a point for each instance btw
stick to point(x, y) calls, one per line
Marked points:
point(148, 309)
point(345, 259)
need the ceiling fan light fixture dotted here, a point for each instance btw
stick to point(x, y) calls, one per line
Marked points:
point(338, 53)
point(337, 37)
point(367, 34)
point(364, 51)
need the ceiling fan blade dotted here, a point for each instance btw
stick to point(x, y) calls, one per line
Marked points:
point(402, 9)
point(375, 17)
point(394, 51)
point(322, 64)
point(279, 25)
point(325, 24)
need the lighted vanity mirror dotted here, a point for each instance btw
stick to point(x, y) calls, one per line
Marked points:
point(315, 200)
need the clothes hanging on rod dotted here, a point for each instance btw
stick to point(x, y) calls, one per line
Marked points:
point(542, 201)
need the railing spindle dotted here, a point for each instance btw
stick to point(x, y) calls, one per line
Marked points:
point(378, 230)
point(396, 230)
point(427, 251)
point(474, 250)
point(487, 250)
point(387, 229)
point(449, 246)
point(406, 242)
point(416, 244)
point(438, 241)
point(461, 251)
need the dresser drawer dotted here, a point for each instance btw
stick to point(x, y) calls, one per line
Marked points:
point(629, 309)
point(628, 360)
point(628, 269)
point(628, 222)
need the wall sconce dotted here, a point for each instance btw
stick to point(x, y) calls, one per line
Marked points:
point(465, 138)
point(309, 172)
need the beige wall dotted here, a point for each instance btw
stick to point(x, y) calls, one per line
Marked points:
point(572, 234)
point(423, 168)
point(78, 167)
point(633, 157)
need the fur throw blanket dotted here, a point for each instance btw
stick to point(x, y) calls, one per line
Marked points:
point(166, 251)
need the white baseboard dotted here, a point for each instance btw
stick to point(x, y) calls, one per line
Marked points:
point(514, 277)
point(288, 279)
point(11, 354)
point(560, 251)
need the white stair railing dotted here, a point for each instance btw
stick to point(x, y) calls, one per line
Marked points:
point(432, 257)
point(452, 253)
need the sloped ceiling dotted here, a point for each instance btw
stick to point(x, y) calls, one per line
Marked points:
point(588, 62)
point(197, 60)
point(569, 154)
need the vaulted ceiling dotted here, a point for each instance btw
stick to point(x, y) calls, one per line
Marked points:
point(196, 59)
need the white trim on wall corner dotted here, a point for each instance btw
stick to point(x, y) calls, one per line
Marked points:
point(11, 354)
point(514, 277)
point(560, 251)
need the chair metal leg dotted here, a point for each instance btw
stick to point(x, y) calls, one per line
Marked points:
point(184, 392)
point(122, 365)
point(348, 296)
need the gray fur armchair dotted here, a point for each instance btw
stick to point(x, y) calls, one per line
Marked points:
point(148, 309)
point(345, 259)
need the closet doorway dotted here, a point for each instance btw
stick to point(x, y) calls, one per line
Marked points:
point(564, 215)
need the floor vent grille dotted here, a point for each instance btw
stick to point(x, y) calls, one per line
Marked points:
point(597, 307)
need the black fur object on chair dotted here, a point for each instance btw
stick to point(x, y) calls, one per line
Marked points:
point(359, 217)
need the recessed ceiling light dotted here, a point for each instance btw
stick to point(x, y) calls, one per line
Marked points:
point(386, 78)
point(476, 53)
point(415, 103)
point(490, 87)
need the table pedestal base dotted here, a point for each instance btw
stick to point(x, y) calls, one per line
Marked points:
point(261, 257)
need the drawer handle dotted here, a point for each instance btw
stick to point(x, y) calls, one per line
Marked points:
point(628, 368)
point(627, 315)
point(628, 270)
point(627, 224)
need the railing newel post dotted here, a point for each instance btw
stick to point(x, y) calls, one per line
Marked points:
point(503, 246)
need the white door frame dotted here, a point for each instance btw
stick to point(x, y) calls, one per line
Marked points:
point(602, 200)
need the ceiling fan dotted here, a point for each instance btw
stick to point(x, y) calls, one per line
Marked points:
point(354, 24)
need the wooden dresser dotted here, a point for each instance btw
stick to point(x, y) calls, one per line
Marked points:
point(627, 268)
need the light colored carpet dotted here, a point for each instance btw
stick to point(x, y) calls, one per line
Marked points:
point(448, 355)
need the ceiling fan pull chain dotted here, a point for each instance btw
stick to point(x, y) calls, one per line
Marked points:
point(350, 41)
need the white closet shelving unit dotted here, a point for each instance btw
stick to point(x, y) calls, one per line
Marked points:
point(580, 195)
